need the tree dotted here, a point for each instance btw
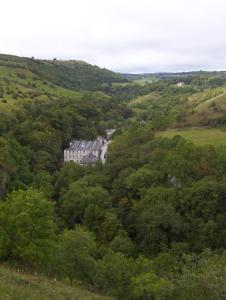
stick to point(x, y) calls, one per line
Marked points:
point(158, 223)
point(202, 206)
point(122, 243)
point(203, 278)
point(27, 229)
point(109, 228)
point(66, 176)
point(76, 252)
point(150, 286)
point(113, 274)
point(85, 205)
point(43, 181)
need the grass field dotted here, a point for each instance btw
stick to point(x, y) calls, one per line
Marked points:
point(200, 136)
point(17, 286)
point(144, 99)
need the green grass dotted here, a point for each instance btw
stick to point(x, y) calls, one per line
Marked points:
point(206, 106)
point(25, 84)
point(19, 85)
point(18, 286)
point(144, 99)
point(200, 136)
point(145, 80)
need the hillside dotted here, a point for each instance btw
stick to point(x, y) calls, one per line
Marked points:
point(22, 286)
point(206, 107)
point(198, 135)
point(68, 74)
point(41, 117)
point(141, 78)
point(26, 82)
point(201, 102)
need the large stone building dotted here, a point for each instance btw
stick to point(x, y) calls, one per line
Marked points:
point(88, 152)
point(84, 152)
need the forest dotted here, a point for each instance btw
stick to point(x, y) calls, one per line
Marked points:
point(151, 222)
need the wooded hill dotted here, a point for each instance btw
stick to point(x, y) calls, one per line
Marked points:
point(72, 74)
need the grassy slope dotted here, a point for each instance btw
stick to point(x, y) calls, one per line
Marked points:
point(19, 83)
point(68, 74)
point(200, 136)
point(17, 286)
point(143, 99)
point(202, 107)
point(206, 106)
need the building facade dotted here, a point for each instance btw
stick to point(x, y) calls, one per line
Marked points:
point(180, 84)
point(88, 152)
point(83, 152)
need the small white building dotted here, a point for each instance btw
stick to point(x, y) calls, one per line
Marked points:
point(180, 84)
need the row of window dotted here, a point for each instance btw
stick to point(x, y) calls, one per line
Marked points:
point(72, 152)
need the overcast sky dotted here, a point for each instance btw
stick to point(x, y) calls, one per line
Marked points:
point(122, 35)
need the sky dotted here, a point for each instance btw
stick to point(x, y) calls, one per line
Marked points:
point(122, 35)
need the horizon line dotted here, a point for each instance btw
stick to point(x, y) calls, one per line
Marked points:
point(179, 71)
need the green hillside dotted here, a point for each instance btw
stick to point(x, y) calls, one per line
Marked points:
point(201, 102)
point(23, 286)
point(69, 74)
point(141, 79)
point(200, 136)
point(27, 82)
point(206, 107)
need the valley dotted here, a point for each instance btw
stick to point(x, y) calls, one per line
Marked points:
point(148, 222)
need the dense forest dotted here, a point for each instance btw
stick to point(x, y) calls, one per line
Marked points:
point(151, 222)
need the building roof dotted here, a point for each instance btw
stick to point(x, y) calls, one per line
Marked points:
point(100, 138)
point(85, 145)
point(88, 159)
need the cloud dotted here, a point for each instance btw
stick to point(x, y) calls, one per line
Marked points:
point(126, 36)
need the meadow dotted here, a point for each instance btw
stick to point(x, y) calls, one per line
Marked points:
point(200, 136)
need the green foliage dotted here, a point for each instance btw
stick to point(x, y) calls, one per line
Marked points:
point(113, 274)
point(204, 279)
point(85, 204)
point(76, 251)
point(82, 75)
point(67, 175)
point(27, 229)
point(122, 243)
point(158, 222)
point(150, 286)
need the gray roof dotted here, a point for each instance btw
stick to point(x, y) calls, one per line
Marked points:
point(85, 145)
point(88, 159)
point(100, 138)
